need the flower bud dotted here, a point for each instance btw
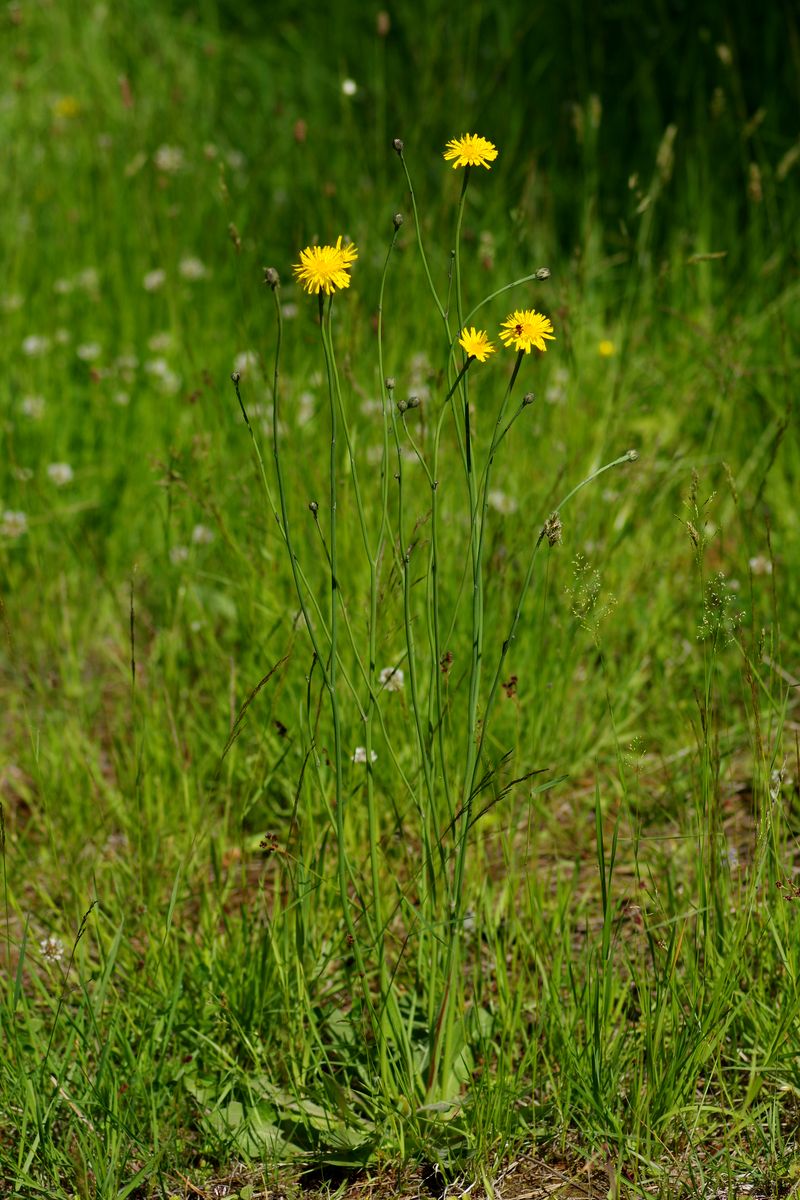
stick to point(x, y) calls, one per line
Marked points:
point(272, 277)
point(397, 145)
point(543, 273)
point(528, 398)
point(390, 383)
point(313, 508)
point(397, 220)
point(235, 377)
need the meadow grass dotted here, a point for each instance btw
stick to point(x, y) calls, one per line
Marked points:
point(556, 932)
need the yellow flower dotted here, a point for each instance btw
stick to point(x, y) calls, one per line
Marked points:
point(526, 328)
point(476, 344)
point(66, 106)
point(325, 268)
point(471, 151)
point(605, 348)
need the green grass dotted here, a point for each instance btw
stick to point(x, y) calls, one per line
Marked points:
point(259, 985)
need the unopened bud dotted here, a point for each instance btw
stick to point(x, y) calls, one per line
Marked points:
point(390, 383)
point(402, 405)
point(397, 145)
point(235, 377)
point(397, 220)
point(413, 402)
point(543, 273)
point(313, 508)
point(632, 456)
point(272, 277)
point(528, 398)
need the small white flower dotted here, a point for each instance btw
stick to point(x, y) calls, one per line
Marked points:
point(246, 361)
point(202, 535)
point(306, 403)
point(392, 679)
point(62, 287)
point(501, 502)
point(157, 367)
point(169, 383)
point(35, 346)
point(161, 343)
point(236, 160)
point(370, 408)
point(360, 755)
point(193, 268)
point(13, 524)
point(89, 351)
point(154, 280)
point(760, 565)
point(60, 473)
point(178, 554)
point(122, 399)
point(289, 311)
point(52, 949)
point(33, 407)
point(88, 279)
point(169, 159)
point(349, 87)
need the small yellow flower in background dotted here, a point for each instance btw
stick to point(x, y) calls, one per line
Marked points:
point(526, 328)
point(66, 106)
point(476, 343)
point(606, 348)
point(470, 151)
point(325, 268)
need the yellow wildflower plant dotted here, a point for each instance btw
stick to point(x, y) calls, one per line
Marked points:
point(476, 343)
point(470, 151)
point(325, 268)
point(526, 328)
point(606, 348)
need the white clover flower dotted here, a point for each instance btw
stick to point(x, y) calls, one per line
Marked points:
point(33, 407)
point(169, 159)
point(122, 399)
point(501, 502)
point(52, 949)
point(349, 87)
point(193, 268)
point(202, 535)
point(306, 403)
point(169, 382)
point(157, 367)
point(154, 280)
point(760, 565)
point(246, 361)
point(88, 279)
point(60, 473)
point(89, 351)
point(178, 554)
point(392, 679)
point(360, 755)
point(35, 346)
point(13, 524)
point(161, 343)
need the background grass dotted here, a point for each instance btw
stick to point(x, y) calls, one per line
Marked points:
point(631, 1003)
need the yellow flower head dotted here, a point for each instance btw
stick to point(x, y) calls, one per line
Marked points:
point(325, 268)
point(476, 344)
point(66, 106)
point(606, 348)
point(470, 151)
point(527, 328)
